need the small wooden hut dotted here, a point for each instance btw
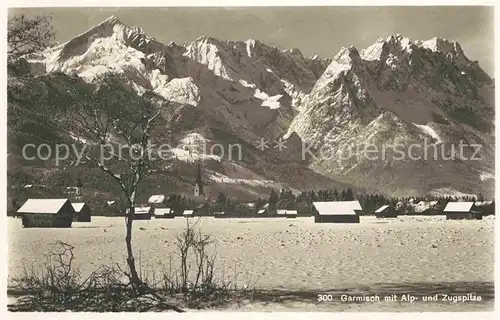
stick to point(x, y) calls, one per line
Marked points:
point(461, 210)
point(485, 207)
point(163, 213)
point(188, 213)
point(281, 213)
point(334, 212)
point(219, 214)
point(291, 213)
point(386, 211)
point(83, 213)
point(47, 213)
point(142, 213)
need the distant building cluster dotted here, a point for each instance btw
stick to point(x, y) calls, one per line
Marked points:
point(326, 206)
point(61, 213)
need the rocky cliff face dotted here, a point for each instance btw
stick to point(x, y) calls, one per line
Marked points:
point(395, 93)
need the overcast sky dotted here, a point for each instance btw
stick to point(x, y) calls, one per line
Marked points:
point(313, 30)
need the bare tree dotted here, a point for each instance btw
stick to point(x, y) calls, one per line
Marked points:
point(26, 36)
point(119, 123)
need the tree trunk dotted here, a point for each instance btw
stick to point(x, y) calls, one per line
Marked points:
point(134, 277)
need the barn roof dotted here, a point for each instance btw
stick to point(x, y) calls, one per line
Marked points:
point(78, 206)
point(51, 206)
point(157, 198)
point(162, 211)
point(427, 203)
point(281, 212)
point(335, 208)
point(382, 208)
point(458, 206)
point(355, 204)
point(249, 204)
point(482, 203)
point(291, 212)
point(140, 210)
point(187, 212)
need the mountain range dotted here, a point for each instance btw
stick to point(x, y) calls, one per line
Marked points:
point(396, 92)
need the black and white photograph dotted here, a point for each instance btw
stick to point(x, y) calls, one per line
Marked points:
point(250, 159)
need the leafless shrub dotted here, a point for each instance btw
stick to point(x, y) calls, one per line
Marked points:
point(58, 286)
point(194, 274)
point(190, 280)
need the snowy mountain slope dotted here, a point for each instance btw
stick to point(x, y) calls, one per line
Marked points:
point(400, 93)
point(271, 71)
point(395, 92)
point(228, 79)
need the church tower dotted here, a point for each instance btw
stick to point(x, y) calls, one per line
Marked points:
point(78, 188)
point(198, 186)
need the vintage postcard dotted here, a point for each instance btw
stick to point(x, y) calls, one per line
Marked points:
point(262, 159)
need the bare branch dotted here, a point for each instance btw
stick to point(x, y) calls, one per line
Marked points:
point(25, 36)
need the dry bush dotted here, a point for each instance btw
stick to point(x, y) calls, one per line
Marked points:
point(190, 281)
point(58, 286)
point(191, 272)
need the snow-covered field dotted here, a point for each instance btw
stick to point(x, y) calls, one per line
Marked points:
point(403, 255)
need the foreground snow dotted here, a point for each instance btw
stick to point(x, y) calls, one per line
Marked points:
point(291, 254)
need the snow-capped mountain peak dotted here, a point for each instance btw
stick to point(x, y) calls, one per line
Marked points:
point(395, 45)
point(442, 45)
point(396, 90)
point(347, 55)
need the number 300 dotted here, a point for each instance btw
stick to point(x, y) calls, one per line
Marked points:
point(325, 297)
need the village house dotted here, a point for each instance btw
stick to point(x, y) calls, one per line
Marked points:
point(263, 211)
point(141, 213)
point(163, 213)
point(485, 207)
point(188, 213)
point(399, 205)
point(47, 213)
point(291, 213)
point(83, 212)
point(335, 212)
point(219, 214)
point(76, 192)
point(281, 213)
point(156, 199)
point(386, 211)
point(461, 210)
point(422, 206)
